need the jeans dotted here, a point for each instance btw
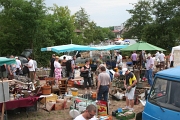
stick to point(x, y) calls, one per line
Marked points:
point(103, 93)
point(71, 74)
point(149, 76)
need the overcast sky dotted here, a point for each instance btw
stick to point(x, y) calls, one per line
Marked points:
point(104, 13)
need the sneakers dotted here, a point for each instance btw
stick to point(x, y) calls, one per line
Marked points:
point(126, 108)
point(131, 109)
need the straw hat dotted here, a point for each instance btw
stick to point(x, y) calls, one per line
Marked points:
point(149, 55)
point(124, 71)
point(57, 57)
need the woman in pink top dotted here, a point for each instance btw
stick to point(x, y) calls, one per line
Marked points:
point(57, 69)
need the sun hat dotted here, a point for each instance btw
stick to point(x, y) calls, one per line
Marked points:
point(16, 57)
point(124, 71)
point(57, 57)
point(149, 55)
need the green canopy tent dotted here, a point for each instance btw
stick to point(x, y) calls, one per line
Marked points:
point(7, 61)
point(141, 45)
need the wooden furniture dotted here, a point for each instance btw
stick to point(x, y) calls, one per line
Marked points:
point(50, 80)
point(62, 86)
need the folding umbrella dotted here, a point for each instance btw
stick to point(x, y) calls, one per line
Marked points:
point(141, 45)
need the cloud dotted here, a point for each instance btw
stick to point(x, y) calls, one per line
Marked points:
point(103, 12)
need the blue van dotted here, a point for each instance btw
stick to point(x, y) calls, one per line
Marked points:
point(163, 100)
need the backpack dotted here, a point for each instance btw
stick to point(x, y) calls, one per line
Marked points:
point(111, 75)
point(68, 65)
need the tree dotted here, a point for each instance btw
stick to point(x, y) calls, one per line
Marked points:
point(81, 19)
point(141, 15)
point(163, 29)
point(62, 29)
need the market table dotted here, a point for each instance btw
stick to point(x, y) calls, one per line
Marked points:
point(21, 102)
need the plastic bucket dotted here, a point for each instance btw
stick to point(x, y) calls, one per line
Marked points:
point(74, 93)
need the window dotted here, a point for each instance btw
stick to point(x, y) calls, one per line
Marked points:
point(165, 93)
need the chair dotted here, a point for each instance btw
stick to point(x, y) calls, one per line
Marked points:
point(50, 80)
point(62, 86)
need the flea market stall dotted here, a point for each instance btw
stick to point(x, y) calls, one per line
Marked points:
point(13, 93)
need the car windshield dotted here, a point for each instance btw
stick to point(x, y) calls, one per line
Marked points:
point(166, 93)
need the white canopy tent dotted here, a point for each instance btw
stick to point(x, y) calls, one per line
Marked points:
point(176, 53)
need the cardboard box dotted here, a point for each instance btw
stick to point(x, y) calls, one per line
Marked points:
point(53, 98)
point(102, 107)
point(49, 106)
point(59, 106)
point(68, 104)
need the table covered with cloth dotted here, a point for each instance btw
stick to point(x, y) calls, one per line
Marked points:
point(21, 102)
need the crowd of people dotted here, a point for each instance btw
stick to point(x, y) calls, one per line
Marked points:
point(14, 70)
point(60, 69)
point(103, 77)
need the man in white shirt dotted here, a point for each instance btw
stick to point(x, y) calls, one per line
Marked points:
point(162, 60)
point(149, 69)
point(88, 114)
point(31, 68)
point(157, 55)
point(119, 60)
point(35, 67)
point(18, 66)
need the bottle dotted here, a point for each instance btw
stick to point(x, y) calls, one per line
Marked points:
point(69, 92)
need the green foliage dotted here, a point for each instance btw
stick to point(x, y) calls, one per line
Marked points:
point(30, 24)
point(163, 28)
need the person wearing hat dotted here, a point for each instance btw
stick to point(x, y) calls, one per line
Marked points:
point(18, 66)
point(52, 65)
point(57, 69)
point(130, 85)
point(149, 69)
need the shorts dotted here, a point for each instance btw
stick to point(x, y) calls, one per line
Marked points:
point(130, 95)
point(134, 62)
point(119, 65)
point(3, 74)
